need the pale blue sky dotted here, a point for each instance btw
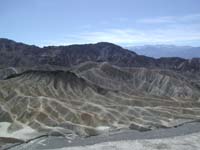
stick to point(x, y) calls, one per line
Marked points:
point(124, 22)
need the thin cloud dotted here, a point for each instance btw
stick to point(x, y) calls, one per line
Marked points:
point(174, 33)
point(165, 19)
point(175, 30)
point(171, 19)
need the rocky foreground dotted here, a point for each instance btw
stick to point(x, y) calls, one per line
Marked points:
point(185, 137)
point(187, 142)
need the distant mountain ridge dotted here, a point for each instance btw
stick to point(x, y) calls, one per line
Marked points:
point(157, 51)
point(13, 54)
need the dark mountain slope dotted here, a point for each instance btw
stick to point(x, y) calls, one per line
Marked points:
point(13, 54)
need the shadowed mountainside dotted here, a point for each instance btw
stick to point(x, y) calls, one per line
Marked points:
point(13, 54)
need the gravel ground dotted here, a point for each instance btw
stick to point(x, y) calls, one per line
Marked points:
point(122, 135)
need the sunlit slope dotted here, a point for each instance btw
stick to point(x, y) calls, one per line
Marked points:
point(46, 99)
point(140, 81)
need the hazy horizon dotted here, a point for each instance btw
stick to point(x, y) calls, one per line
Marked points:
point(121, 45)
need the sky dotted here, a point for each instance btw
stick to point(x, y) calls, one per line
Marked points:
point(123, 22)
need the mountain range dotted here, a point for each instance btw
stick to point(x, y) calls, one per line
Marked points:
point(158, 51)
point(79, 88)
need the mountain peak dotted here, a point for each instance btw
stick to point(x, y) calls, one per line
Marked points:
point(106, 44)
